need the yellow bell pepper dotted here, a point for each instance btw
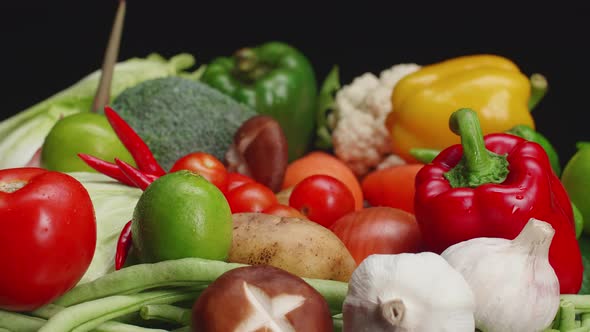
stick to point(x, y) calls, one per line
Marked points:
point(423, 101)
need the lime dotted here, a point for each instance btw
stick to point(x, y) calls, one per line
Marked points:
point(179, 215)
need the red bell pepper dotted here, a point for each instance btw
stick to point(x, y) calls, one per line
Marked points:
point(490, 187)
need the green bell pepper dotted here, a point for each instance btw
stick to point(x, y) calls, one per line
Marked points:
point(427, 155)
point(530, 134)
point(576, 181)
point(275, 79)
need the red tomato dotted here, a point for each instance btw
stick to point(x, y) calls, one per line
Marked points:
point(48, 236)
point(204, 164)
point(251, 197)
point(378, 230)
point(235, 180)
point(322, 198)
point(282, 210)
point(392, 186)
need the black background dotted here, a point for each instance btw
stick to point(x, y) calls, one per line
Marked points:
point(48, 45)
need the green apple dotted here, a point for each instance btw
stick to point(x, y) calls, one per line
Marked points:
point(86, 132)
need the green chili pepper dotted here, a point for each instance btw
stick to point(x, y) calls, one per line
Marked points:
point(275, 79)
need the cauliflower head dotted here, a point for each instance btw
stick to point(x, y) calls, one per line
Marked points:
point(360, 137)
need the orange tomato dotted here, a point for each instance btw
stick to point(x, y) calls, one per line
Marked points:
point(283, 210)
point(392, 186)
point(318, 162)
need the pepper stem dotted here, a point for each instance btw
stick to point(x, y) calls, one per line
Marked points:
point(424, 155)
point(538, 89)
point(393, 311)
point(478, 165)
point(249, 68)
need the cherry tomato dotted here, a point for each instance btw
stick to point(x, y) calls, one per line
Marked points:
point(48, 236)
point(322, 198)
point(204, 164)
point(283, 210)
point(235, 180)
point(378, 230)
point(251, 197)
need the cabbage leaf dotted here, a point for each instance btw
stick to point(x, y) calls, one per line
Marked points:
point(24, 133)
point(113, 206)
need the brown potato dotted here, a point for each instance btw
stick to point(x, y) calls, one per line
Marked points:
point(301, 247)
point(284, 195)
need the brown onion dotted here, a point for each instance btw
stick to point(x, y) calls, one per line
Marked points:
point(378, 230)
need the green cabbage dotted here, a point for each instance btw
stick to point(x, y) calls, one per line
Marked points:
point(23, 134)
point(113, 206)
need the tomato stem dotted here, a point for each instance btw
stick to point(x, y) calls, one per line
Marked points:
point(12, 186)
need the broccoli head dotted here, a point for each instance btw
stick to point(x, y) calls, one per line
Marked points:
point(176, 116)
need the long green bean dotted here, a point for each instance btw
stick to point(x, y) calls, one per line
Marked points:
point(580, 302)
point(568, 316)
point(337, 322)
point(120, 327)
point(333, 291)
point(89, 315)
point(166, 313)
point(140, 277)
point(180, 272)
point(47, 311)
point(577, 329)
point(51, 310)
point(183, 329)
point(19, 322)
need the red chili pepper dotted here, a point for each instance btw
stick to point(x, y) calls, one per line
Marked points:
point(491, 187)
point(123, 246)
point(106, 168)
point(140, 179)
point(135, 145)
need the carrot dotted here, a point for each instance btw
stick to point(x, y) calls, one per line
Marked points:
point(392, 186)
point(318, 162)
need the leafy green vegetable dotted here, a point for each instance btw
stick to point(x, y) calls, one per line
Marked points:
point(177, 116)
point(113, 205)
point(326, 104)
point(22, 134)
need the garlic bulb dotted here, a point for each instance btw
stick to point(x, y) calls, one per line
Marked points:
point(515, 287)
point(408, 293)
